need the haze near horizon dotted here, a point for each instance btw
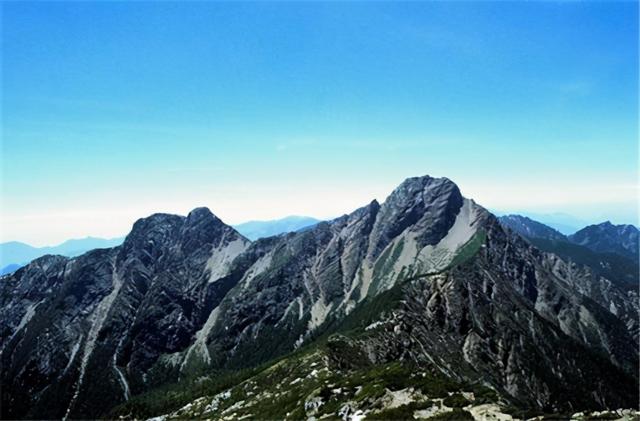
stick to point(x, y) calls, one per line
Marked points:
point(114, 111)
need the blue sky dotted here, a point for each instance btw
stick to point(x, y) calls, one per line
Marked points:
point(112, 111)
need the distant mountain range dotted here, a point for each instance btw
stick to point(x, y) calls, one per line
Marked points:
point(530, 228)
point(609, 250)
point(423, 304)
point(561, 222)
point(14, 254)
point(604, 237)
point(261, 229)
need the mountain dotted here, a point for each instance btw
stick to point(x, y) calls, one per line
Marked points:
point(621, 270)
point(260, 229)
point(414, 299)
point(562, 222)
point(617, 267)
point(606, 237)
point(14, 254)
point(530, 228)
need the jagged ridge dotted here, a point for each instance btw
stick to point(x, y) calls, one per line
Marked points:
point(184, 295)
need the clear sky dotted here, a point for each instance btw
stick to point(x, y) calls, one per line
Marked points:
point(113, 111)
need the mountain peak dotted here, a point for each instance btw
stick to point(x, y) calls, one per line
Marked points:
point(426, 204)
point(422, 190)
point(201, 215)
point(200, 212)
point(203, 226)
point(424, 181)
point(156, 229)
point(155, 220)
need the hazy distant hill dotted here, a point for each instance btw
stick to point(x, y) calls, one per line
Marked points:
point(15, 254)
point(530, 228)
point(565, 223)
point(260, 229)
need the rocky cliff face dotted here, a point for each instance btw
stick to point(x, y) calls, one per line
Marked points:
point(607, 254)
point(185, 295)
point(293, 285)
point(79, 334)
point(524, 322)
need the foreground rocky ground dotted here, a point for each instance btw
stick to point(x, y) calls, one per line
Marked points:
point(310, 385)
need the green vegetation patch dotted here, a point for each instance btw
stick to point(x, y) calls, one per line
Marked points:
point(469, 249)
point(456, 415)
point(456, 401)
point(297, 386)
point(170, 397)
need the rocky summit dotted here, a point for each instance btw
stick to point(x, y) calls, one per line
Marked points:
point(424, 305)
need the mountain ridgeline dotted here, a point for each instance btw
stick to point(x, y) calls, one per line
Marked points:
point(254, 230)
point(428, 279)
point(608, 250)
point(14, 254)
point(623, 240)
point(606, 237)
